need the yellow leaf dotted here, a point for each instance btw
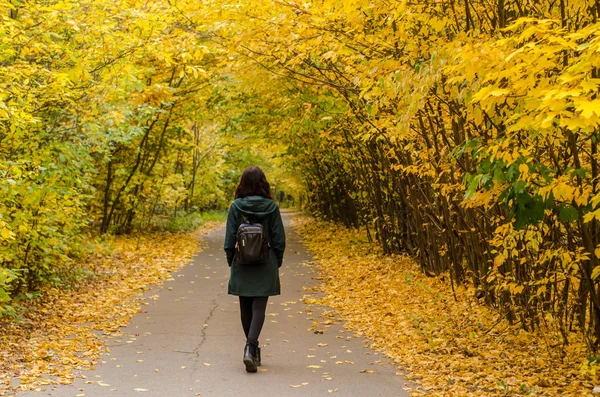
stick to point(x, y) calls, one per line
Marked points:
point(595, 272)
point(6, 234)
point(589, 108)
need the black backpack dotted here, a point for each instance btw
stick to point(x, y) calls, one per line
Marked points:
point(252, 246)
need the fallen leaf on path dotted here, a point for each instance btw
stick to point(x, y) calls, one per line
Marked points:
point(442, 337)
point(300, 385)
point(66, 330)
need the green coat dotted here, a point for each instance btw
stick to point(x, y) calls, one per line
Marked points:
point(255, 280)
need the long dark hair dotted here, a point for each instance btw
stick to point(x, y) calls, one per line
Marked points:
point(253, 183)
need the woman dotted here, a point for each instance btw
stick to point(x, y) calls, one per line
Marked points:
point(254, 283)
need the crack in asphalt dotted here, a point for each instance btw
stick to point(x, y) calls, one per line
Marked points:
point(196, 351)
point(203, 337)
point(204, 327)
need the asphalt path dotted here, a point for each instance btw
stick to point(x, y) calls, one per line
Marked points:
point(188, 341)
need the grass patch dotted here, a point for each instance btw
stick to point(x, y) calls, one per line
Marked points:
point(184, 222)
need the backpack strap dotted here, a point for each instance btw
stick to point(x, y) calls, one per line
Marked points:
point(248, 219)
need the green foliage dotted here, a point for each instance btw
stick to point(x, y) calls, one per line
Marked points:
point(214, 216)
point(6, 276)
point(104, 128)
point(184, 221)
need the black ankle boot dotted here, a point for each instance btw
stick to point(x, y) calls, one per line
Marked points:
point(250, 358)
point(258, 363)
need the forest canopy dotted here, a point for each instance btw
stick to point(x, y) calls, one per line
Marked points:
point(462, 133)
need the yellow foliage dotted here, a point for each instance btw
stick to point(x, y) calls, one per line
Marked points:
point(446, 340)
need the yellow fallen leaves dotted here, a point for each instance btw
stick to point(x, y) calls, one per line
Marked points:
point(447, 347)
point(300, 385)
point(58, 333)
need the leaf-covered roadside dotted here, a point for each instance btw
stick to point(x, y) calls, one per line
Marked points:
point(448, 347)
point(64, 332)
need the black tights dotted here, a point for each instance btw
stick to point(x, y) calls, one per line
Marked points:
point(252, 309)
